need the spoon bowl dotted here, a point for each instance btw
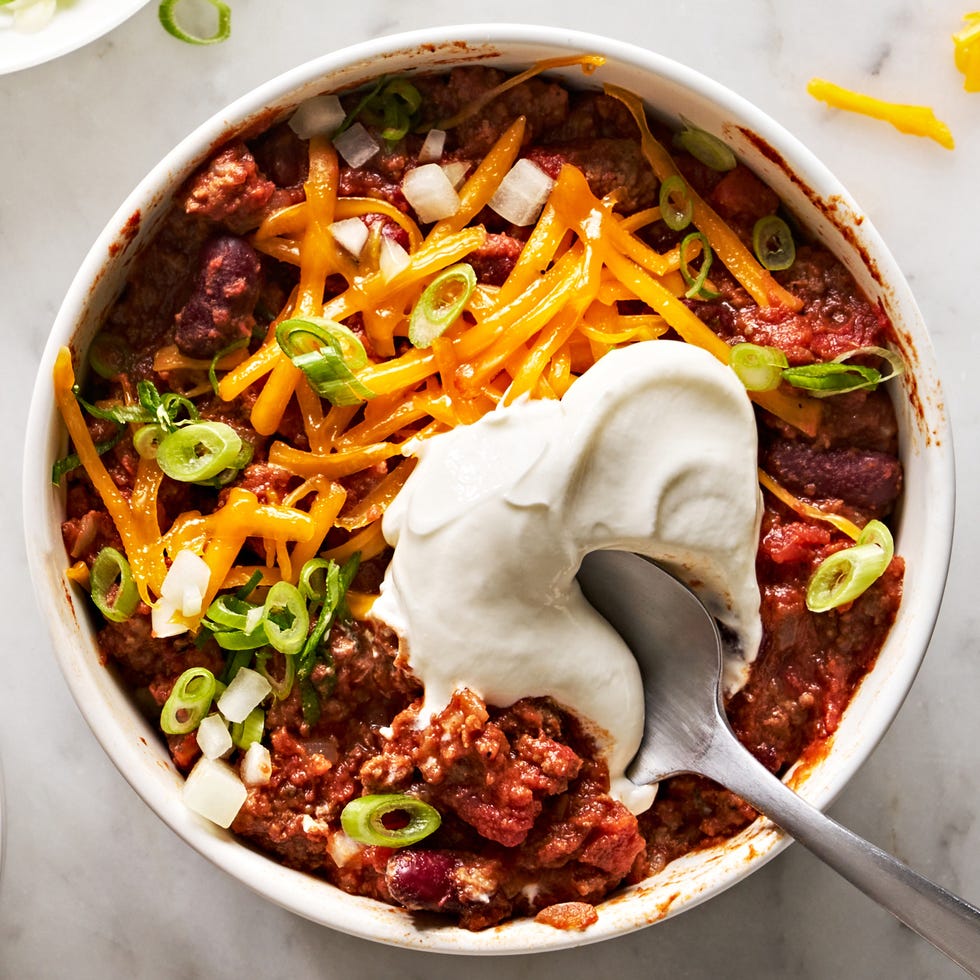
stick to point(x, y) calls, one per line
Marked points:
point(680, 652)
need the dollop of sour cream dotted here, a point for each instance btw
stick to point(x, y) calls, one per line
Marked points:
point(653, 450)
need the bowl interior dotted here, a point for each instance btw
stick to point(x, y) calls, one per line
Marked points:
point(923, 534)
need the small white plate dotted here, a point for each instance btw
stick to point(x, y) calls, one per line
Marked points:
point(77, 22)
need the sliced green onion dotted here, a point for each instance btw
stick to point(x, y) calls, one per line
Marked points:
point(364, 819)
point(238, 659)
point(676, 204)
point(696, 287)
point(390, 105)
point(441, 304)
point(313, 585)
point(281, 686)
point(169, 406)
point(224, 352)
point(167, 15)
point(244, 733)
point(120, 414)
point(114, 589)
point(232, 639)
point(147, 439)
point(199, 451)
point(844, 576)
point(874, 532)
point(230, 472)
point(71, 462)
point(189, 701)
point(758, 368)
point(229, 612)
point(832, 378)
point(773, 244)
point(328, 353)
point(285, 618)
point(710, 150)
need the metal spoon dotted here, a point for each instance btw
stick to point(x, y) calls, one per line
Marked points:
point(677, 644)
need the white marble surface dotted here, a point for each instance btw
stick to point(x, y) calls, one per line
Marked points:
point(94, 885)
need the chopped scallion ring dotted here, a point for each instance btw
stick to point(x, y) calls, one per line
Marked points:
point(167, 14)
point(773, 244)
point(285, 618)
point(244, 733)
point(676, 205)
point(697, 289)
point(441, 303)
point(189, 701)
point(710, 150)
point(364, 819)
point(844, 576)
point(199, 451)
point(147, 439)
point(328, 353)
point(114, 589)
point(758, 368)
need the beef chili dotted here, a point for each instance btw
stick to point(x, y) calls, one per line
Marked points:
point(246, 405)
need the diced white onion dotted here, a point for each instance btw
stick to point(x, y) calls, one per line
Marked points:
point(213, 790)
point(455, 170)
point(430, 192)
point(432, 146)
point(186, 582)
point(522, 193)
point(342, 849)
point(165, 619)
point(244, 693)
point(356, 145)
point(319, 116)
point(392, 259)
point(256, 765)
point(213, 737)
point(351, 234)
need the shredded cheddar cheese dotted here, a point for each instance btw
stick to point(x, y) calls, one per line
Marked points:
point(557, 312)
point(966, 50)
point(916, 120)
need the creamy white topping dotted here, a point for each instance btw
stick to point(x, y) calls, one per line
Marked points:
point(653, 450)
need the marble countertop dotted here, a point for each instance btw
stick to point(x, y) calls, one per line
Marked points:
point(94, 884)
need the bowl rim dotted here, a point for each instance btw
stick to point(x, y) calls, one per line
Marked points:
point(126, 743)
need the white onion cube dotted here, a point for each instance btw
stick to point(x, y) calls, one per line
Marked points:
point(245, 692)
point(213, 737)
point(213, 790)
point(392, 259)
point(430, 192)
point(165, 619)
point(319, 116)
point(186, 582)
point(342, 849)
point(256, 765)
point(455, 170)
point(522, 193)
point(351, 234)
point(356, 145)
point(432, 146)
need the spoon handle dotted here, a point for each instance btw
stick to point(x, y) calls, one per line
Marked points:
point(948, 922)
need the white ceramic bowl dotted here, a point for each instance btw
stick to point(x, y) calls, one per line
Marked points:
point(924, 526)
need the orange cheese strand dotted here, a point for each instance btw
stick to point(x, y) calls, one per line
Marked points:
point(323, 512)
point(916, 120)
point(373, 506)
point(115, 501)
point(966, 51)
point(171, 359)
point(370, 543)
point(804, 509)
point(726, 243)
point(333, 465)
point(269, 407)
point(318, 255)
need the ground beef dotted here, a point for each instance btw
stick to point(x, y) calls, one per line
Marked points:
point(230, 190)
